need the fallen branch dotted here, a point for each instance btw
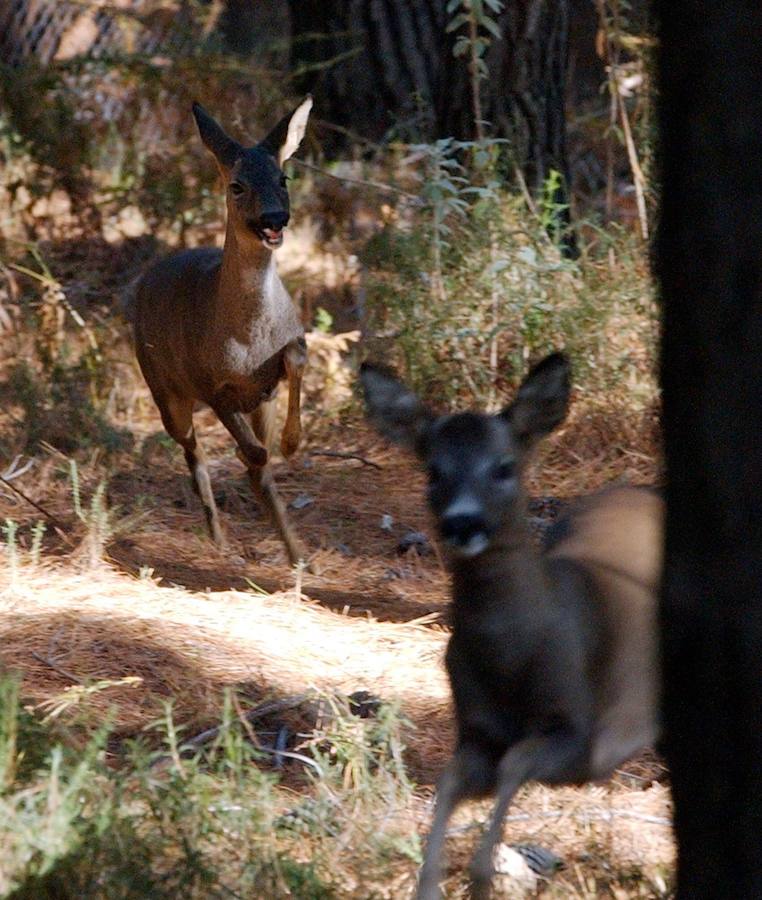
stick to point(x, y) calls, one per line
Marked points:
point(376, 185)
point(56, 668)
point(15, 470)
point(259, 712)
point(48, 515)
point(338, 454)
point(292, 754)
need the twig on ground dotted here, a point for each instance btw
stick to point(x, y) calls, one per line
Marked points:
point(292, 754)
point(521, 181)
point(16, 470)
point(438, 554)
point(353, 136)
point(56, 668)
point(243, 720)
point(638, 178)
point(48, 515)
point(338, 454)
point(264, 709)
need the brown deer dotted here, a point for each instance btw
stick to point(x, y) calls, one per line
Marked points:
point(552, 659)
point(218, 327)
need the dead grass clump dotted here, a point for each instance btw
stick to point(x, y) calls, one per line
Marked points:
point(602, 441)
point(97, 625)
point(101, 646)
point(72, 826)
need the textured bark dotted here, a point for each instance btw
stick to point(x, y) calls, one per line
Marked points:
point(377, 63)
point(710, 267)
point(259, 28)
point(394, 71)
point(49, 31)
point(31, 28)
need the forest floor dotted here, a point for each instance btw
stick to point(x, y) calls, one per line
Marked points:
point(188, 620)
point(133, 588)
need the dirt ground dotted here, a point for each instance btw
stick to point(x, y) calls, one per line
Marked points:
point(163, 605)
point(189, 620)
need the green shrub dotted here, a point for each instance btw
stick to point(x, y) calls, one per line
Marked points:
point(77, 822)
point(61, 409)
point(463, 293)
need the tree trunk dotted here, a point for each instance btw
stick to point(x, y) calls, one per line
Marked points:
point(375, 66)
point(710, 266)
point(258, 29)
point(381, 67)
point(525, 95)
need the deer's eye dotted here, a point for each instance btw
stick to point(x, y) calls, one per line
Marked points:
point(236, 189)
point(504, 470)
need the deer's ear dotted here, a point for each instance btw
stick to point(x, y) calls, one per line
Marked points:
point(542, 400)
point(224, 148)
point(283, 141)
point(394, 409)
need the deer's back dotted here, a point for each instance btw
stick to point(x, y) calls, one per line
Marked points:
point(171, 307)
point(177, 284)
point(615, 537)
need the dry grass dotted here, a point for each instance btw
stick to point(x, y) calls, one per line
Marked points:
point(99, 624)
point(58, 624)
point(172, 611)
point(191, 625)
point(601, 442)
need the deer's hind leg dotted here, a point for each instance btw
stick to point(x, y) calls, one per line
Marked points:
point(177, 416)
point(250, 439)
point(294, 360)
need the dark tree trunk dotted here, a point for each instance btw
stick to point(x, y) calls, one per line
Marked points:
point(375, 65)
point(259, 28)
point(710, 266)
point(527, 87)
point(394, 71)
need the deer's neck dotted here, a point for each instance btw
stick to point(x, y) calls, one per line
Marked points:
point(248, 284)
point(510, 574)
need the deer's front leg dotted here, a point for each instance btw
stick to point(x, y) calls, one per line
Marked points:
point(536, 757)
point(471, 773)
point(260, 476)
point(295, 359)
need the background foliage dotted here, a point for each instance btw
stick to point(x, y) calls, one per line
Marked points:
point(431, 252)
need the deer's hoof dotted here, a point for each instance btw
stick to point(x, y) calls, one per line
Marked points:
point(298, 557)
point(306, 566)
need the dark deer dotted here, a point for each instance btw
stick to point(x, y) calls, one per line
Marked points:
point(552, 659)
point(218, 327)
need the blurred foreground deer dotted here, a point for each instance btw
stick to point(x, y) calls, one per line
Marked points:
point(218, 327)
point(552, 659)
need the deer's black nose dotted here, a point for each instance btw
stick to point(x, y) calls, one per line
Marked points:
point(460, 529)
point(274, 221)
point(467, 534)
